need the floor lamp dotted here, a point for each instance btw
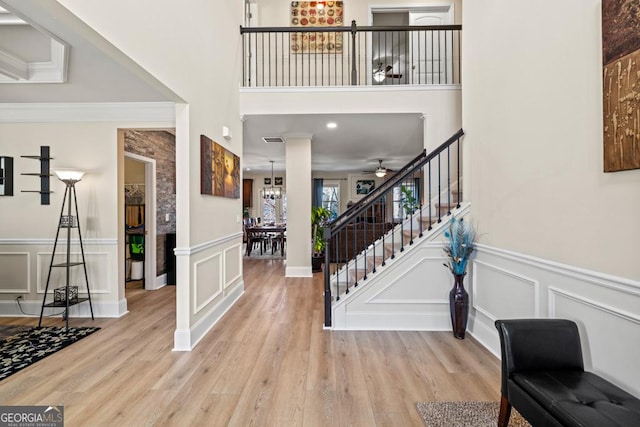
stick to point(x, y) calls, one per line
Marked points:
point(67, 296)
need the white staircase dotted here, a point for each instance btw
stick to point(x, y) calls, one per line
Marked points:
point(398, 283)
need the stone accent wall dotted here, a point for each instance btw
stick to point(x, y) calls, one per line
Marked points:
point(161, 146)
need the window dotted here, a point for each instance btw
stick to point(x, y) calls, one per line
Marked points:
point(274, 210)
point(331, 198)
point(405, 200)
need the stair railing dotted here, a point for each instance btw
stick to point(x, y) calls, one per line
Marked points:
point(368, 234)
point(352, 55)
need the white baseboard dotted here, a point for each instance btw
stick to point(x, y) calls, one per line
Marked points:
point(298, 272)
point(161, 282)
point(186, 340)
point(31, 308)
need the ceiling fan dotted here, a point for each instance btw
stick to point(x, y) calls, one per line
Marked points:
point(381, 73)
point(380, 171)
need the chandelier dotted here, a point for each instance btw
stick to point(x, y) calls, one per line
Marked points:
point(272, 192)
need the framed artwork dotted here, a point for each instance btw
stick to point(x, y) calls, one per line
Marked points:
point(278, 180)
point(621, 77)
point(219, 170)
point(365, 186)
point(310, 14)
point(267, 181)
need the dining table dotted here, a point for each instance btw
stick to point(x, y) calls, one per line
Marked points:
point(266, 234)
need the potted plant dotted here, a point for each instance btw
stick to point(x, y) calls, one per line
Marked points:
point(409, 201)
point(458, 247)
point(319, 217)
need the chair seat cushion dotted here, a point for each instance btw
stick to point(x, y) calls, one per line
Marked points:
point(578, 398)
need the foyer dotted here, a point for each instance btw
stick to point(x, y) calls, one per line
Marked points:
point(268, 362)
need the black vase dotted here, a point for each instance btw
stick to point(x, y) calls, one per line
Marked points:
point(459, 306)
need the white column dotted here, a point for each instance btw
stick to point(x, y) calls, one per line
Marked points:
point(182, 335)
point(298, 164)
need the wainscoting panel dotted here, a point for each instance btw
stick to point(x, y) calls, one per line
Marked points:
point(606, 308)
point(411, 293)
point(610, 338)
point(424, 283)
point(505, 294)
point(216, 284)
point(14, 272)
point(232, 265)
point(207, 281)
point(98, 271)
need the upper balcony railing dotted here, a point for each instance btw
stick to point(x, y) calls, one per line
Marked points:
point(351, 56)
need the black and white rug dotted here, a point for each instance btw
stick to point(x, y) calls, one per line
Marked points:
point(24, 348)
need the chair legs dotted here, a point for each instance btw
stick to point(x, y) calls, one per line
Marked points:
point(505, 412)
point(277, 243)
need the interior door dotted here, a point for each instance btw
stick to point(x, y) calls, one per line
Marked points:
point(431, 62)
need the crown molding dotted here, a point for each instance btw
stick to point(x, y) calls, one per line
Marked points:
point(87, 112)
point(14, 70)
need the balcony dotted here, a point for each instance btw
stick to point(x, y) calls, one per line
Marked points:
point(351, 56)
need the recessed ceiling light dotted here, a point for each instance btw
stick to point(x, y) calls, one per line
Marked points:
point(332, 125)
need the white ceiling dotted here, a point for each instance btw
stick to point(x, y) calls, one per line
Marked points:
point(96, 71)
point(356, 144)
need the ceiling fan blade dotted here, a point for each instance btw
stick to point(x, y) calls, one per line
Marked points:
point(388, 68)
point(394, 76)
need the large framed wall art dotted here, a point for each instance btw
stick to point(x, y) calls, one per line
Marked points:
point(219, 170)
point(313, 14)
point(621, 79)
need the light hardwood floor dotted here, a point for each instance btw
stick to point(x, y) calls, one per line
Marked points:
point(267, 362)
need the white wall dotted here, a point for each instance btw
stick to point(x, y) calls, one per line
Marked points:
point(534, 137)
point(558, 235)
point(28, 229)
point(194, 49)
point(274, 13)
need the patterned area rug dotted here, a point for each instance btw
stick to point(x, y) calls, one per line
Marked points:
point(24, 348)
point(465, 414)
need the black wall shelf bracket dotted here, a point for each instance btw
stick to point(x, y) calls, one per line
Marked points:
point(6, 176)
point(44, 174)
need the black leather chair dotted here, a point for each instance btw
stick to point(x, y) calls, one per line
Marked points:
point(543, 377)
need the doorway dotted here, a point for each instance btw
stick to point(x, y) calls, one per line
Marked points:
point(140, 212)
point(148, 207)
point(407, 57)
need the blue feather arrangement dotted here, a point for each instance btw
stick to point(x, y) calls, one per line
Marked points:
point(459, 245)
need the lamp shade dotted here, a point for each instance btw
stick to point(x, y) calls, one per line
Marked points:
point(381, 173)
point(65, 175)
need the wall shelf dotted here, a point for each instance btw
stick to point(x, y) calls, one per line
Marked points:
point(44, 174)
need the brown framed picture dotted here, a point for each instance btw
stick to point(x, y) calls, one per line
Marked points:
point(219, 170)
point(277, 180)
point(621, 78)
